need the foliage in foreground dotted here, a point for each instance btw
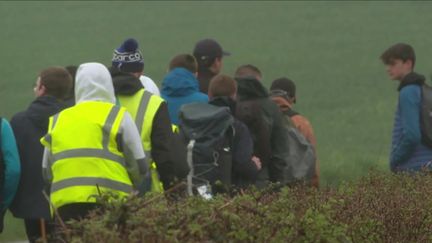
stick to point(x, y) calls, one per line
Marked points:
point(377, 208)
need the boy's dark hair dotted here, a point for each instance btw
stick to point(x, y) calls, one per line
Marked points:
point(248, 70)
point(222, 85)
point(186, 61)
point(399, 51)
point(57, 81)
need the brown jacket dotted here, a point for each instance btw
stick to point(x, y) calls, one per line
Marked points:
point(304, 126)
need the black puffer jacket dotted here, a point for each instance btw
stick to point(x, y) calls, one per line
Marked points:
point(29, 126)
point(266, 124)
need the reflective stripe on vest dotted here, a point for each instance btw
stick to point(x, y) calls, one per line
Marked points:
point(175, 128)
point(139, 118)
point(91, 152)
point(47, 139)
point(91, 181)
point(143, 107)
point(76, 153)
point(80, 172)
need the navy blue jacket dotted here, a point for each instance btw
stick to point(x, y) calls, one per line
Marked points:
point(29, 126)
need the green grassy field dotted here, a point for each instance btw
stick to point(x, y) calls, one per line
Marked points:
point(330, 49)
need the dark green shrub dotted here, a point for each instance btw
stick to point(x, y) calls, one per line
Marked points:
point(377, 208)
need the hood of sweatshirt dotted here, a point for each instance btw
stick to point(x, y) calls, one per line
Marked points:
point(412, 78)
point(125, 83)
point(250, 88)
point(94, 83)
point(224, 101)
point(179, 82)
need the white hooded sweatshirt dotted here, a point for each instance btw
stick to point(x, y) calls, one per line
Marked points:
point(93, 83)
point(149, 85)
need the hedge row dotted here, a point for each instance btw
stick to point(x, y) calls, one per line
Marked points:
point(377, 208)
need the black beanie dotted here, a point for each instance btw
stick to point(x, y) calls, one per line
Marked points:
point(127, 58)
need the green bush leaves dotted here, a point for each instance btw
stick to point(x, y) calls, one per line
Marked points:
point(377, 208)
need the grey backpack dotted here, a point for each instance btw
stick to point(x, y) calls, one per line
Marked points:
point(301, 157)
point(426, 115)
point(208, 133)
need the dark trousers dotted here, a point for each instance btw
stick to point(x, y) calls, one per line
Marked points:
point(73, 211)
point(76, 210)
point(33, 228)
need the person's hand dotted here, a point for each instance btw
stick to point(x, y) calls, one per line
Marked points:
point(257, 162)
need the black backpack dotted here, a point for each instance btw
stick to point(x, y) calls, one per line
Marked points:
point(208, 132)
point(426, 115)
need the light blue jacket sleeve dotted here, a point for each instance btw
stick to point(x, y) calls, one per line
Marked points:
point(11, 163)
point(409, 101)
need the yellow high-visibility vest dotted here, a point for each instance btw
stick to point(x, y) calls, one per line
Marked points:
point(175, 128)
point(85, 159)
point(143, 106)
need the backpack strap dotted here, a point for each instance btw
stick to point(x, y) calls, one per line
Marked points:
point(290, 112)
point(189, 155)
point(426, 115)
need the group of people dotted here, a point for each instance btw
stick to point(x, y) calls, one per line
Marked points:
point(95, 129)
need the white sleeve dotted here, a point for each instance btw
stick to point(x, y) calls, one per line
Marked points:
point(149, 85)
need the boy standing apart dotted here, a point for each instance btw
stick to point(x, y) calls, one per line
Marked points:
point(408, 153)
